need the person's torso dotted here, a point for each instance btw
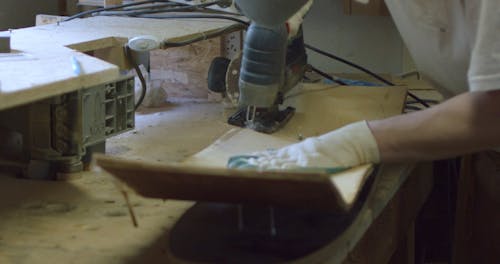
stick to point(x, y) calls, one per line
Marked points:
point(438, 34)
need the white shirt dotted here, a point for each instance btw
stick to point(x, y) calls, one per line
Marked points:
point(455, 43)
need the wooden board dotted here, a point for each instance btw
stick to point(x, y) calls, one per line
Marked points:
point(182, 71)
point(40, 65)
point(199, 183)
point(204, 176)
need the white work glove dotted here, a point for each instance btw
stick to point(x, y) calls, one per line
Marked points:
point(348, 146)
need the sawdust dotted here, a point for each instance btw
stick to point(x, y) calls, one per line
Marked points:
point(118, 150)
point(55, 222)
point(48, 208)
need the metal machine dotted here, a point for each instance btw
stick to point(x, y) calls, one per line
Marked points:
point(55, 136)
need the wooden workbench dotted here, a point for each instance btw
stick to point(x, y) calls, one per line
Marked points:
point(86, 221)
point(40, 65)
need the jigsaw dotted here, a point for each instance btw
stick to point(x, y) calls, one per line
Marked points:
point(271, 64)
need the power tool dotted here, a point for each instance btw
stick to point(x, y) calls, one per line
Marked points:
point(271, 64)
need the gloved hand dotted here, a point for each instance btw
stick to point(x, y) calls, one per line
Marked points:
point(345, 147)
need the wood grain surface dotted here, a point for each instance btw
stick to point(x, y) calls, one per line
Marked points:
point(204, 176)
point(40, 65)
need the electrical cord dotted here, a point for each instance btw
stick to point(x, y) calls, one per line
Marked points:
point(421, 101)
point(134, 13)
point(131, 59)
point(376, 76)
point(139, 14)
point(89, 12)
point(429, 101)
point(197, 16)
point(418, 99)
point(337, 58)
point(327, 76)
point(161, 10)
point(152, 6)
point(169, 44)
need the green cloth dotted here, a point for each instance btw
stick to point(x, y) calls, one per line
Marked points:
point(241, 162)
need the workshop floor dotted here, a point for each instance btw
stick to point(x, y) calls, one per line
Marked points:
point(85, 220)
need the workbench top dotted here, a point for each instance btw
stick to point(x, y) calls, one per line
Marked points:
point(85, 220)
point(40, 65)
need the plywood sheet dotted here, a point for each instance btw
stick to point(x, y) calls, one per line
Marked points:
point(40, 65)
point(204, 176)
point(182, 71)
point(293, 189)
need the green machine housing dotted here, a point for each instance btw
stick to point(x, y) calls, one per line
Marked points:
point(56, 136)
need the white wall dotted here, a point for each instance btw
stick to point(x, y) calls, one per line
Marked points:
point(373, 42)
point(21, 13)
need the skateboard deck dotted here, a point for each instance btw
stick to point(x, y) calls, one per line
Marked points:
point(204, 176)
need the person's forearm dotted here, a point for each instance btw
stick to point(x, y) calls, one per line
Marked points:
point(466, 123)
